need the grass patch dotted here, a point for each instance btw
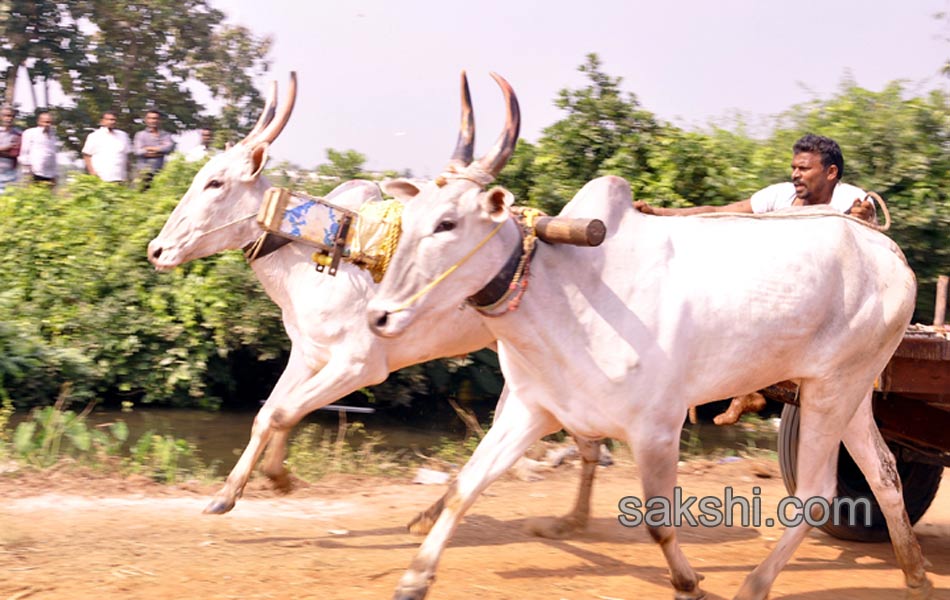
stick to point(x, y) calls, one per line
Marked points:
point(54, 435)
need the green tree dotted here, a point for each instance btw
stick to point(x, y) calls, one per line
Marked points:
point(129, 56)
point(600, 121)
point(235, 59)
point(43, 37)
point(900, 148)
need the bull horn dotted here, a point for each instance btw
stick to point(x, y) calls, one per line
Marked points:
point(266, 116)
point(493, 162)
point(465, 147)
point(273, 129)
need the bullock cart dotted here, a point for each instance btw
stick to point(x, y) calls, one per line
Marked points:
point(912, 409)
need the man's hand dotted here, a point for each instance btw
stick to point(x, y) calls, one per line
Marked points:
point(644, 207)
point(864, 210)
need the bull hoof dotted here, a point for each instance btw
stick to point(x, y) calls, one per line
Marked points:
point(554, 528)
point(923, 592)
point(696, 594)
point(410, 594)
point(219, 506)
point(281, 482)
point(421, 524)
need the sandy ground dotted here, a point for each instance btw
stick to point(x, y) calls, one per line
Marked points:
point(64, 535)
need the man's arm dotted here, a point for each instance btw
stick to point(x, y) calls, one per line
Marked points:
point(742, 206)
point(88, 160)
point(138, 146)
point(166, 145)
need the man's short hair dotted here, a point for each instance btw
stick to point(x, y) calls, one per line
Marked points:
point(153, 111)
point(823, 146)
point(109, 112)
point(7, 108)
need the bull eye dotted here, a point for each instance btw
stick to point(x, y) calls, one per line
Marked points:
point(214, 184)
point(446, 225)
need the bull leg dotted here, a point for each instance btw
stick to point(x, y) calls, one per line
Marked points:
point(656, 449)
point(273, 463)
point(556, 527)
point(305, 392)
point(546, 527)
point(510, 436)
point(871, 454)
point(577, 519)
point(261, 433)
point(826, 408)
point(422, 523)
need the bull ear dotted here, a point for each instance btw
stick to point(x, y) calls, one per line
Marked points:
point(257, 162)
point(401, 189)
point(496, 203)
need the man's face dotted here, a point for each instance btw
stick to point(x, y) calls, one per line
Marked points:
point(108, 121)
point(44, 120)
point(812, 181)
point(206, 137)
point(6, 118)
point(152, 120)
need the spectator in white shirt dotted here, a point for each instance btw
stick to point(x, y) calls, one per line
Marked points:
point(203, 149)
point(38, 150)
point(106, 151)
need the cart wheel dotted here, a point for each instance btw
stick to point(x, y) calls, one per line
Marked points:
point(920, 482)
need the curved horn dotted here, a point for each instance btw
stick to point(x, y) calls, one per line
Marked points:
point(266, 115)
point(493, 162)
point(465, 147)
point(274, 128)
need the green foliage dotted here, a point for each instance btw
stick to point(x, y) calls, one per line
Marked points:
point(53, 433)
point(314, 453)
point(80, 302)
point(599, 123)
point(146, 51)
point(166, 459)
point(453, 453)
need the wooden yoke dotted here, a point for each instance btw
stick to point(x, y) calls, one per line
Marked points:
point(578, 232)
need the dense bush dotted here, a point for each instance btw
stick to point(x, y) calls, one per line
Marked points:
point(79, 301)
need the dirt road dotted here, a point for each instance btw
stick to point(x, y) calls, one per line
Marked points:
point(79, 538)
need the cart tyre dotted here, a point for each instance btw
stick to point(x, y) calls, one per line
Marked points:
point(920, 482)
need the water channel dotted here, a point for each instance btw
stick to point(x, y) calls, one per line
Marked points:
point(220, 436)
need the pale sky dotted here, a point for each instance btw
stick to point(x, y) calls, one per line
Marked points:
point(381, 77)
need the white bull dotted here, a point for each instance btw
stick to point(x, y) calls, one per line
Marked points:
point(667, 313)
point(333, 352)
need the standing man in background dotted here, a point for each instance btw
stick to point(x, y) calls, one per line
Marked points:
point(38, 151)
point(9, 147)
point(203, 149)
point(151, 146)
point(106, 151)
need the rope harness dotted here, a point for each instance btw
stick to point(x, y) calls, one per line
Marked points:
point(516, 285)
